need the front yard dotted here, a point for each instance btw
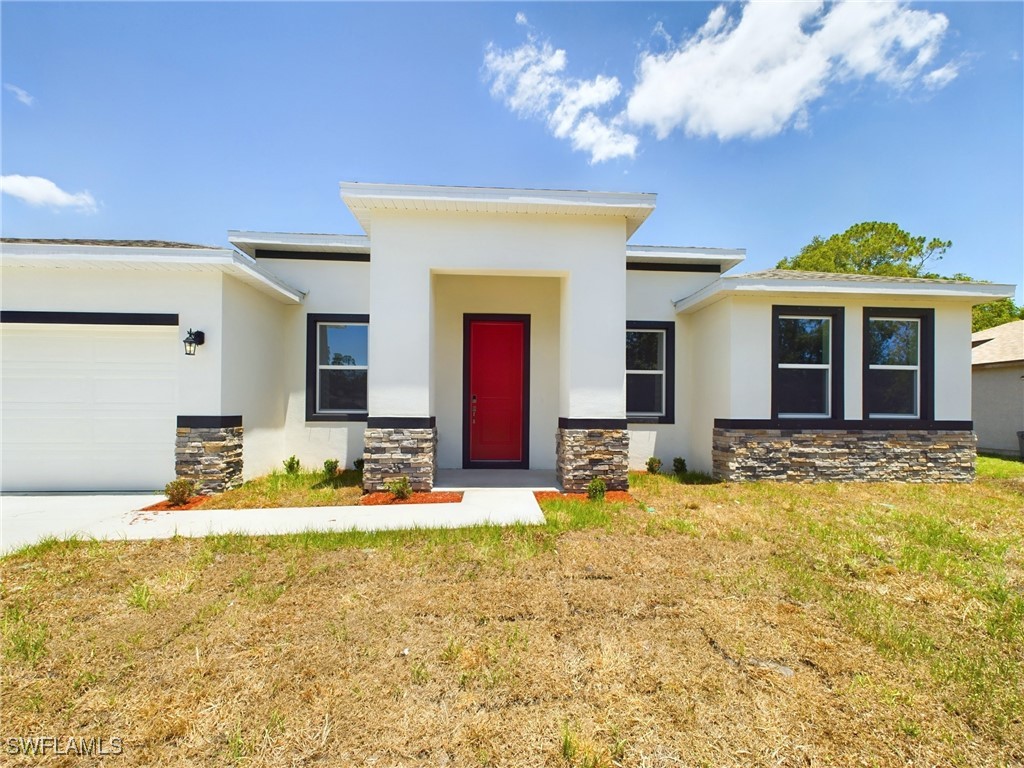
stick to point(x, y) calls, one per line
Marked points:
point(720, 624)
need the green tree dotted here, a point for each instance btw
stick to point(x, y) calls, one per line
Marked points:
point(869, 248)
point(882, 248)
point(995, 313)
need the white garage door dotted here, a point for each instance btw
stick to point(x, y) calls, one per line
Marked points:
point(88, 407)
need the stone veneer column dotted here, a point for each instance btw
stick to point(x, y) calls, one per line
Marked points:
point(584, 452)
point(391, 452)
point(813, 455)
point(208, 451)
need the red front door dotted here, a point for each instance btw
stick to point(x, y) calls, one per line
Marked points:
point(496, 350)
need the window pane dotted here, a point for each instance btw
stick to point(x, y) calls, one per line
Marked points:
point(892, 342)
point(342, 345)
point(803, 391)
point(645, 351)
point(342, 390)
point(804, 340)
point(643, 393)
point(892, 393)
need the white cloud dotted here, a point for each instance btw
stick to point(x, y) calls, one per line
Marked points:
point(21, 94)
point(756, 73)
point(531, 81)
point(521, 19)
point(942, 76)
point(35, 190)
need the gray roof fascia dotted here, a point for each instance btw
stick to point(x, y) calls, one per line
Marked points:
point(225, 260)
point(976, 293)
point(297, 242)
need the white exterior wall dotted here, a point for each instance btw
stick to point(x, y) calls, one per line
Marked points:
point(253, 377)
point(649, 297)
point(732, 354)
point(998, 406)
point(538, 297)
point(335, 287)
point(710, 366)
point(588, 252)
point(195, 296)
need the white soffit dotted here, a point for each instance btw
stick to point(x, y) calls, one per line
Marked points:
point(363, 199)
point(75, 256)
point(725, 258)
point(297, 242)
point(803, 284)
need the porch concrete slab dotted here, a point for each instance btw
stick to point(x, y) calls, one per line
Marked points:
point(27, 519)
point(527, 479)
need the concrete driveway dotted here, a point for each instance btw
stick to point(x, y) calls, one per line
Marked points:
point(25, 519)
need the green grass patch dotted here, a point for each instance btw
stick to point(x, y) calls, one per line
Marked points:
point(301, 489)
point(1000, 467)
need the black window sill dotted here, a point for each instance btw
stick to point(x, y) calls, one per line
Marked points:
point(649, 420)
point(340, 417)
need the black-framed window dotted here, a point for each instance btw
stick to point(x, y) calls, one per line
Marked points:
point(650, 371)
point(899, 363)
point(337, 366)
point(807, 362)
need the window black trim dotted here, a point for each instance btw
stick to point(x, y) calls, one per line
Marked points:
point(264, 253)
point(311, 322)
point(646, 266)
point(926, 364)
point(669, 328)
point(567, 423)
point(88, 318)
point(837, 356)
point(845, 425)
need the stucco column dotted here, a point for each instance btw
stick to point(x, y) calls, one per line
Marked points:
point(401, 436)
point(592, 439)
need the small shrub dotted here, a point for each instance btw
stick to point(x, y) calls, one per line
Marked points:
point(292, 465)
point(399, 487)
point(359, 464)
point(179, 491)
point(330, 467)
point(596, 489)
point(679, 465)
point(653, 465)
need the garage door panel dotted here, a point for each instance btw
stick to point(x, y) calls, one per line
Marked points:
point(88, 408)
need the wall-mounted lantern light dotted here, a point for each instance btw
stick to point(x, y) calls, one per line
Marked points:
point(193, 340)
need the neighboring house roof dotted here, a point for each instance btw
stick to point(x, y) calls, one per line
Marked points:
point(132, 254)
point(1002, 344)
point(363, 199)
point(793, 282)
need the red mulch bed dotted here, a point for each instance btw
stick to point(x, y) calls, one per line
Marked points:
point(166, 506)
point(431, 497)
point(616, 496)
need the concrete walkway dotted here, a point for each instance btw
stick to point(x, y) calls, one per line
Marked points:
point(26, 519)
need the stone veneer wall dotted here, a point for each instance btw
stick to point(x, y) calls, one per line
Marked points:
point(811, 455)
point(583, 454)
point(209, 456)
point(393, 452)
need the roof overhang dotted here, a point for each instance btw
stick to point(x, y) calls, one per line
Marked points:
point(297, 242)
point(724, 258)
point(363, 200)
point(75, 256)
point(972, 293)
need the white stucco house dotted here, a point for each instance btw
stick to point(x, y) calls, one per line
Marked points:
point(997, 365)
point(466, 328)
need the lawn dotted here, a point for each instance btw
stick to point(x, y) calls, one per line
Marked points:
point(298, 489)
point(716, 624)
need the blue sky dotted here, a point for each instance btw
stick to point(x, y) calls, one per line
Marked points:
point(758, 126)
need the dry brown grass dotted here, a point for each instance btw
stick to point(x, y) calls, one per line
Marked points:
point(614, 636)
